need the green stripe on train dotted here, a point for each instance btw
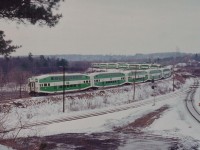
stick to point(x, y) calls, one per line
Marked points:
point(109, 75)
point(109, 83)
point(142, 79)
point(51, 79)
point(67, 88)
point(155, 77)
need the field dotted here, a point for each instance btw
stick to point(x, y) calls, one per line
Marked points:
point(26, 111)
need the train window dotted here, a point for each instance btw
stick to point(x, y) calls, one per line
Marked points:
point(51, 78)
point(61, 86)
point(48, 84)
point(45, 84)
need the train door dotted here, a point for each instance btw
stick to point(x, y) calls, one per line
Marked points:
point(92, 81)
point(32, 87)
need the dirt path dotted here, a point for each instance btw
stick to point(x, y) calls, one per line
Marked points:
point(144, 121)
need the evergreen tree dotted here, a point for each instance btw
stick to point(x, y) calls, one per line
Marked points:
point(62, 62)
point(5, 46)
point(33, 11)
point(23, 11)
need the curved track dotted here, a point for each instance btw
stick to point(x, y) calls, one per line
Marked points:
point(190, 105)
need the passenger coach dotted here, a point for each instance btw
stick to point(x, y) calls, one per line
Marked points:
point(136, 76)
point(53, 83)
point(108, 79)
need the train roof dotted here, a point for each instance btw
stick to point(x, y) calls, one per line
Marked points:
point(58, 74)
point(128, 71)
point(96, 73)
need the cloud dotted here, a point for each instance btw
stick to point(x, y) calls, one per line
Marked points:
point(114, 27)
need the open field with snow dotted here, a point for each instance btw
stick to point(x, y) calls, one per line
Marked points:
point(167, 119)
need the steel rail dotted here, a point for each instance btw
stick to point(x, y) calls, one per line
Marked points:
point(190, 105)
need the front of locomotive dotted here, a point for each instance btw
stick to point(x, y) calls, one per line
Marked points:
point(33, 85)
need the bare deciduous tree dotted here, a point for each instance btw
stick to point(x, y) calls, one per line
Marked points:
point(20, 78)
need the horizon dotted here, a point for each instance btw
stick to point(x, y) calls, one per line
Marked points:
point(112, 27)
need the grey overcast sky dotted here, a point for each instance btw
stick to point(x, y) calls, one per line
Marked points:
point(113, 27)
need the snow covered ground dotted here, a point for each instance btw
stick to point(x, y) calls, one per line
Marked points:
point(50, 107)
point(174, 122)
point(2, 147)
point(197, 99)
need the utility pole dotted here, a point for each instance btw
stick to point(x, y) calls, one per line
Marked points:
point(173, 76)
point(177, 51)
point(63, 88)
point(134, 86)
point(153, 87)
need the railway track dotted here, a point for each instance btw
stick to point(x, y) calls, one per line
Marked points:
point(190, 104)
point(135, 104)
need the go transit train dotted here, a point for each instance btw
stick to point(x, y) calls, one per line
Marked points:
point(53, 83)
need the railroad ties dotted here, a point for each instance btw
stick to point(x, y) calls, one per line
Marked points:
point(190, 104)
